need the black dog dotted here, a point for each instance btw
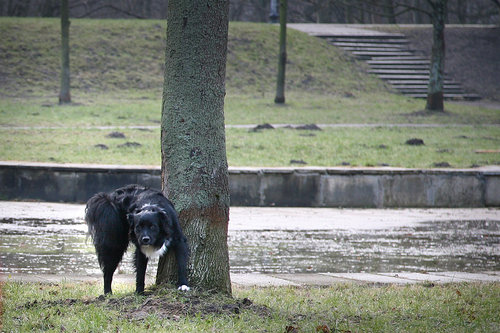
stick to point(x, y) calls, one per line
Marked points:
point(139, 215)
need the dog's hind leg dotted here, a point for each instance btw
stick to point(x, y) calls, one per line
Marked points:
point(109, 231)
point(109, 261)
point(140, 262)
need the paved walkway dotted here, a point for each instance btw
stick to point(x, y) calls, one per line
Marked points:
point(315, 29)
point(298, 280)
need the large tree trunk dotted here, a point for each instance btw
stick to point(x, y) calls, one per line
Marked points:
point(194, 163)
point(435, 95)
point(64, 94)
point(280, 82)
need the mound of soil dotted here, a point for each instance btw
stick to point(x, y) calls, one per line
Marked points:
point(130, 145)
point(415, 142)
point(116, 135)
point(261, 127)
point(170, 306)
point(189, 304)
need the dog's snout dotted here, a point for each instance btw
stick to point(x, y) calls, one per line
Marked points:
point(146, 240)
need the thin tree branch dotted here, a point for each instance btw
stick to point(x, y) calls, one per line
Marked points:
point(416, 9)
point(112, 7)
point(406, 8)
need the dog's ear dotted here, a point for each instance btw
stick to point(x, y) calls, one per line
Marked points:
point(166, 222)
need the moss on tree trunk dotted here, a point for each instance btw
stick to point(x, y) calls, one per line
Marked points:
point(194, 164)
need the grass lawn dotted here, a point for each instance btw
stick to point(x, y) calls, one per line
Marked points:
point(301, 108)
point(465, 307)
point(372, 146)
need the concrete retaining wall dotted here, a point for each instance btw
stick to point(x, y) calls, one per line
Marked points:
point(300, 187)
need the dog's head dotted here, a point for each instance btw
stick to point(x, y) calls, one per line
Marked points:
point(150, 226)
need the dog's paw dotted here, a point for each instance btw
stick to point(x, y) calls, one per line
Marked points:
point(184, 288)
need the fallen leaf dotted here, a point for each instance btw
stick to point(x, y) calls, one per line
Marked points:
point(323, 329)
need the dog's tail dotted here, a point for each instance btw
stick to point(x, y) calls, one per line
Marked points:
point(107, 227)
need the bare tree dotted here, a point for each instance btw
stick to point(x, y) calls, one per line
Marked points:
point(435, 96)
point(64, 93)
point(280, 82)
point(194, 163)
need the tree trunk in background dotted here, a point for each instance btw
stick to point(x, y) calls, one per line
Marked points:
point(435, 98)
point(64, 94)
point(194, 163)
point(389, 12)
point(417, 14)
point(280, 84)
point(147, 8)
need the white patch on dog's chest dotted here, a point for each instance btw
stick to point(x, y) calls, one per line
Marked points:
point(152, 252)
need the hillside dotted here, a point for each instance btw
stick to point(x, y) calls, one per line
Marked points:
point(127, 55)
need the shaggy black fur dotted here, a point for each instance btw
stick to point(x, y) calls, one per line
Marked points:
point(139, 215)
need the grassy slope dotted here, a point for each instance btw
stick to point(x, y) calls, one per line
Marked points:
point(116, 55)
point(117, 68)
point(465, 307)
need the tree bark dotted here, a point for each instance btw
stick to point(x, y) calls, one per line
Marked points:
point(64, 93)
point(435, 95)
point(280, 85)
point(194, 163)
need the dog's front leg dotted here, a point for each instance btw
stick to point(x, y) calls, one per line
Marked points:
point(141, 262)
point(181, 255)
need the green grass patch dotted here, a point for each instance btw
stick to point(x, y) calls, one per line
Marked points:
point(140, 147)
point(117, 79)
point(360, 108)
point(137, 110)
point(378, 146)
point(370, 146)
point(465, 307)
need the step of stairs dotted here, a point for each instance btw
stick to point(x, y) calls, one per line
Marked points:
point(390, 58)
point(418, 82)
point(365, 55)
point(369, 44)
point(400, 66)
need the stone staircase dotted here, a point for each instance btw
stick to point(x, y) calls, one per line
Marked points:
point(390, 57)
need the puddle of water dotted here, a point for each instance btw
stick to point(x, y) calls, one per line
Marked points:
point(61, 247)
point(451, 246)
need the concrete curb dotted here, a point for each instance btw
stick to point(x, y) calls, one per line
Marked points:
point(293, 280)
point(272, 187)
